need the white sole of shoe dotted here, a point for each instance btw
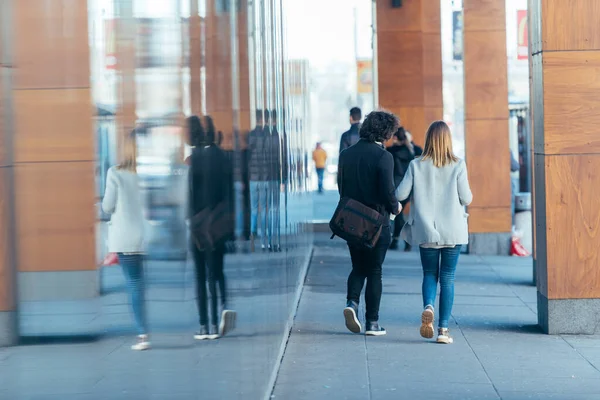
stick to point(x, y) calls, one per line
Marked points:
point(375, 333)
point(228, 322)
point(201, 337)
point(352, 322)
point(445, 340)
point(213, 336)
point(140, 346)
point(427, 323)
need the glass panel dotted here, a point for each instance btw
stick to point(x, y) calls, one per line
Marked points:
point(197, 164)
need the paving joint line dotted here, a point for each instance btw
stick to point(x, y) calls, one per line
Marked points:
point(369, 387)
point(512, 290)
point(579, 353)
point(478, 359)
point(469, 343)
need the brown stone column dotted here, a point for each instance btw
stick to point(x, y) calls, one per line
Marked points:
point(196, 33)
point(486, 126)
point(125, 34)
point(225, 75)
point(409, 63)
point(8, 283)
point(565, 48)
point(53, 151)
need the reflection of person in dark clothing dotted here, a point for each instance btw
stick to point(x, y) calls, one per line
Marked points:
point(403, 152)
point(210, 181)
point(365, 174)
point(275, 173)
point(514, 184)
point(258, 168)
point(352, 135)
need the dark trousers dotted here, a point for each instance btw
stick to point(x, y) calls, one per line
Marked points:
point(366, 264)
point(320, 177)
point(399, 221)
point(209, 268)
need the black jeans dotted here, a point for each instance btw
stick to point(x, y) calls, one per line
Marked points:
point(211, 262)
point(366, 264)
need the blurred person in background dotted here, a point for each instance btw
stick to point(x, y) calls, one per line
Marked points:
point(418, 150)
point(403, 152)
point(366, 175)
point(320, 158)
point(352, 135)
point(258, 166)
point(514, 184)
point(123, 201)
point(210, 189)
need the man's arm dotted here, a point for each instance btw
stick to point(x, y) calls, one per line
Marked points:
point(388, 189)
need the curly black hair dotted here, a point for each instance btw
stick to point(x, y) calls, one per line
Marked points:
point(379, 126)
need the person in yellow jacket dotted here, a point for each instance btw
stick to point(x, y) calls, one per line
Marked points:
point(320, 159)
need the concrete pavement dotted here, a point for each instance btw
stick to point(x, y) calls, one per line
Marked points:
point(498, 353)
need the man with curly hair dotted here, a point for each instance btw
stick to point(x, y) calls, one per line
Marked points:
point(366, 174)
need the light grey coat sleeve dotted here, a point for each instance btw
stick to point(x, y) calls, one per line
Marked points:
point(464, 190)
point(109, 202)
point(405, 187)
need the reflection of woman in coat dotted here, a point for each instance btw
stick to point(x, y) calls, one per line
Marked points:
point(403, 152)
point(122, 200)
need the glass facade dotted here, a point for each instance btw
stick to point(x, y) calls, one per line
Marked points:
point(147, 67)
point(227, 60)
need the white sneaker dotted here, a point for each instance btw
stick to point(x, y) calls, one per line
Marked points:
point(142, 343)
point(228, 321)
point(427, 318)
point(444, 336)
point(202, 334)
point(214, 333)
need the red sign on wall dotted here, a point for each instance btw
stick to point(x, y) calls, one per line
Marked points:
point(522, 35)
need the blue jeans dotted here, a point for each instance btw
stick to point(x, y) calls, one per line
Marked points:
point(239, 209)
point(320, 176)
point(274, 204)
point(439, 265)
point(133, 269)
point(258, 207)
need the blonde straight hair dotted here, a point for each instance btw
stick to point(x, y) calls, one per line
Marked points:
point(128, 155)
point(438, 145)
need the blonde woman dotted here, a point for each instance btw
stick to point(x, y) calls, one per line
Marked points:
point(122, 200)
point(437, 222)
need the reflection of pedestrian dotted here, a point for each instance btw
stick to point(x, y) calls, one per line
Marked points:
point(122, 200)
point(258, 165)
point(514, 184)
point(320, 158)
point(210, 187)
point(275, 172)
